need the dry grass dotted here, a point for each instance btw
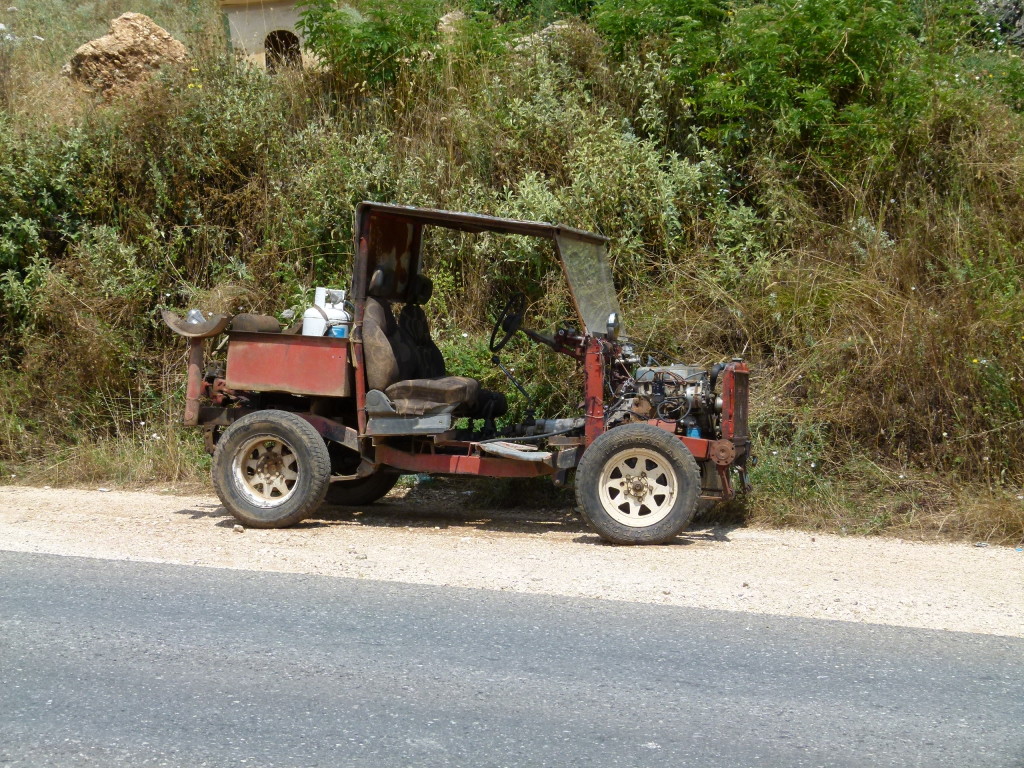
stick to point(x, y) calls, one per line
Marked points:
point(169, 460)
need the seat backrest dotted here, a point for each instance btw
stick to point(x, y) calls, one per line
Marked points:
point(390, 354)
point(397, 350)
point(381, 362)
point(413, 325)
point(412, 322)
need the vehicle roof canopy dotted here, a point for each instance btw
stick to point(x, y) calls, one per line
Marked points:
point(390, 237)
point(471, 222)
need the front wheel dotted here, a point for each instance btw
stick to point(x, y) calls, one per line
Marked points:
point(271, 469)
point(637, 484)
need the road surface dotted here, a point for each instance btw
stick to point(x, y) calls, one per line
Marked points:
point(112, 663)
point(434, 534)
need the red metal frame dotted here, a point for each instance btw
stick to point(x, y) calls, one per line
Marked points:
point(698, 446)
point(319, 379)
point(359, 282)
point(194, 387)
point(702, 450)
point(593, 370)
point(446, 463)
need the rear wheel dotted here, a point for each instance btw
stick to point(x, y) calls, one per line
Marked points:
point(271, 469)
point(637, 484)
point(365, 490)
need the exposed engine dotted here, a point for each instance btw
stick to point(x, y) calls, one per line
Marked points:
point(684, 394)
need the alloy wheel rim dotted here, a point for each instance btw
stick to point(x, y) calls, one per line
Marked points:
point(266, 471)
point(637, 488)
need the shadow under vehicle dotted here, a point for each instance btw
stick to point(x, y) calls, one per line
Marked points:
point(292, 420)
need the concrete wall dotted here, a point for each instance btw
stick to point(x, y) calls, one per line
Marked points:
point(250, 24)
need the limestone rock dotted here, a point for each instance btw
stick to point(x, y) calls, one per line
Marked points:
point(541, 38)
point(126, 56)
point(448, 26)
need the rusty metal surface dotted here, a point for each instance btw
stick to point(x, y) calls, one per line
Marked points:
point(210, 440)
point(391, 237)
point(698, 446)
point(723, 479)
point(194, 386)
point(460, 465)
point(593, 368)
point(358, 358)
point(214, 325)
point(300, 365)
point(735, 388)
point(218, 392)
point(394, 245)
point(210, 416)
point(723, 452)
point(333, 430)
point(568, 458)
point(475, 222)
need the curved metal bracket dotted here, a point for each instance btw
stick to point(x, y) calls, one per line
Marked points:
point(215, 325)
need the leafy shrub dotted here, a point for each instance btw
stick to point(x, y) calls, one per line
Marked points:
point(538, 10)
point(840, 82)
point(371, 41)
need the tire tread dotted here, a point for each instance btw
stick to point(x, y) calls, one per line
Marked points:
point(356, 493)
point(620, 438)
point(307, 440)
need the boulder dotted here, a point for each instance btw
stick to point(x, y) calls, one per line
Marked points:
point(448, 26)
point(126, 56)
point(544, 37)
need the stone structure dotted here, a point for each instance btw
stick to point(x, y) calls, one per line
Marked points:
point(126, 56)
point(265, 32)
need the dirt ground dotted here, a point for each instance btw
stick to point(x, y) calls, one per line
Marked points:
point(433, 535)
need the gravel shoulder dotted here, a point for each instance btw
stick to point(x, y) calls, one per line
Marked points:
point(429, 536)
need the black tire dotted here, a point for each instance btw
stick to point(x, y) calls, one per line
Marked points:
point(624, 504)
point(252, 466)
point(365, 490)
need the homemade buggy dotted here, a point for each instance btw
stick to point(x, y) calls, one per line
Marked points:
point(292, 420)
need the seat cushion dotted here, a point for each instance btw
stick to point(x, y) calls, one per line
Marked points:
point(416, 397)
point(250, 323)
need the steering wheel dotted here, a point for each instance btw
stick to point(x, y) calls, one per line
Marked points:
point(509, 321)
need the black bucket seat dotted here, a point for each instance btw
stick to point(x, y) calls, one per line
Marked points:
point(404, 363)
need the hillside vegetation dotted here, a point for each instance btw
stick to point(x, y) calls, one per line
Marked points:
point(833, 189)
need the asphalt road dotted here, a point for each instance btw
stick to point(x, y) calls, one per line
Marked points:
point(113, 663)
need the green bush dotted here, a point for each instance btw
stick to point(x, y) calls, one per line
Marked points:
point(835, 85)
point(372, 41)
